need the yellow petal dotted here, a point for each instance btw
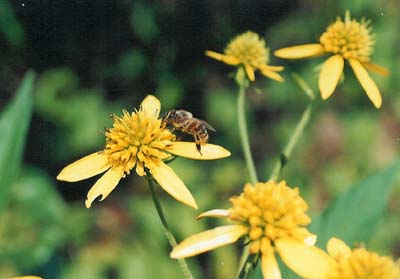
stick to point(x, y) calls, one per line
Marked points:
point(309, 262)
point(151, 105)
point(230, 60)
point(302, 51)
point(269, 266)
point(104, 186)
point(249, 71)
point(337, 248)
point(208, 240)
point(26, 277)
point(366, 82)
point(85, 167)
point(272, 68)
point(330, 75)
point(310, 240)
point(189, 150)
point(376, 68)
point(272, 75)
point(173, 185)
point(217, 213)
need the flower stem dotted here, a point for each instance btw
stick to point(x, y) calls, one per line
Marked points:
point(247, 266)
point(244, 136)
point(293, 140)
point(167, 232)
point(298, 131)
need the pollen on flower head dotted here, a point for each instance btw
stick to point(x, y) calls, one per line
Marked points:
point(137, 140)
point(361, 263)
point(249, 49)
point(271, 211)
point(350, 38)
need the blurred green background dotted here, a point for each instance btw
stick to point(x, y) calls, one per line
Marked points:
point(94, 58)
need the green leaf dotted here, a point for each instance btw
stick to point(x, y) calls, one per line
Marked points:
point(14, 123)
point(33, 220)
point(9, 24)
point(354, 215)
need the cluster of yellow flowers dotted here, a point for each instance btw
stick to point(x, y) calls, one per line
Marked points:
point(270, 216)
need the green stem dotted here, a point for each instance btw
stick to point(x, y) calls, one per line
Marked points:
point(293, 140)
point(248, 265)
point(167, 231)
point(244, 136)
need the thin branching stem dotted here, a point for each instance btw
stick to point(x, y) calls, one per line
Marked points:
point(171, 239)
point(293, 140)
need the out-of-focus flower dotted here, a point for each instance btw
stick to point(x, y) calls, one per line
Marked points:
point(26, 277)
point(139, 141)
point(341, 262)
point(349, 40)
point(248, 51)
point(263, 214)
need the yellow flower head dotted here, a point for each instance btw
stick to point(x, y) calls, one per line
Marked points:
point(270, 211)
point(264, 214)
point(248, 50)
point(139, 140)
point(349, 40)
point(340, 262)
point(359, 263)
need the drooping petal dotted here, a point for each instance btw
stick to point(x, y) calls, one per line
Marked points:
point(223, 58)
point(189, 150)
point(309, 262)
point(376, 68)
point(337, 248)
point(269, 266)
point(217, 213)
point(272, 75)
point(151, 105)
point(272, 68)
point(85, 167)
point(330, 75)
point(249, 72)
point(173, 185)
point(208, 240)
point(104, 186)
point(366, 82)
point(301, 51)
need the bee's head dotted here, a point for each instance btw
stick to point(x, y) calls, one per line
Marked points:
point(169, 117)
point(176, 117)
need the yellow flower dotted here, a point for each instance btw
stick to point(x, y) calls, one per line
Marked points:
point(341, 262)
point(349, 40)
point(26, 277)
point(263, 214)
point(139, 141)
point(248, 50)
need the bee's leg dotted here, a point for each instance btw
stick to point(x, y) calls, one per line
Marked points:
point(198, 144)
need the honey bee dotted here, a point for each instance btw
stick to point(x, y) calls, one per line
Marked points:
point(184, 121)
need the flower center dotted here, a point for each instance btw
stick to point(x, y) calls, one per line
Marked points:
point(271, 211)
point(137, 140)
point(248, 48)
point(350, 38)
point(364, 264)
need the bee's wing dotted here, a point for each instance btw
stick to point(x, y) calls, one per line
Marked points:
point(208, 126)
